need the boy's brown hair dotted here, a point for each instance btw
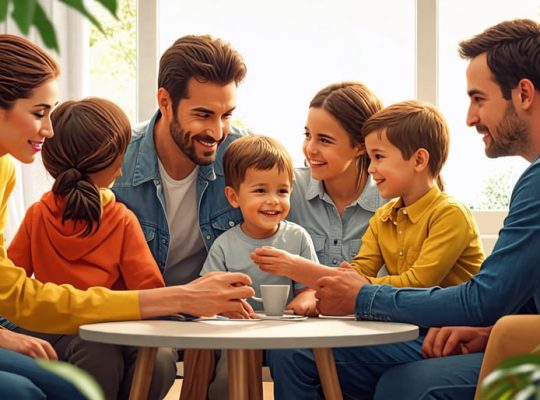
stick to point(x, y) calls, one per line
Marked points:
point(411, 125)
point(254, 151)
point(89, 135)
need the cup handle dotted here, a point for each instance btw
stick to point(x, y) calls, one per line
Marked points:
point(259, 299)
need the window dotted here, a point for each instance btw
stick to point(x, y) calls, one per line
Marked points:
point(294, 48)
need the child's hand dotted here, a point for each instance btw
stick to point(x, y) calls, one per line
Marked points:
point(304, 303)
point(274, 261)
point(345, 267)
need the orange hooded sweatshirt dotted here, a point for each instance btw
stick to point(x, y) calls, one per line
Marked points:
point(114, 256)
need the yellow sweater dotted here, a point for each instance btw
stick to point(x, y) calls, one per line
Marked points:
point(432, 242)
point(49, 307)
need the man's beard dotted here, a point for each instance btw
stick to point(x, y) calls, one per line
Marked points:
point(511, 135)
point(186, 143)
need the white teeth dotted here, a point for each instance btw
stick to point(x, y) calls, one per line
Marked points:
point(313, 162)
point(207, 144)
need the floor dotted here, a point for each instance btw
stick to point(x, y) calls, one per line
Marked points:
point(174, 393)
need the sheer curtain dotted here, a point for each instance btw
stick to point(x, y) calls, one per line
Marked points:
point(72, 33)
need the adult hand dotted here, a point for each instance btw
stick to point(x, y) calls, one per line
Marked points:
point(219, 293)
point(241, 315)
point(27, 345)
point(337, 294)
point(274, 261)
point(304, 303)
point(454, 340)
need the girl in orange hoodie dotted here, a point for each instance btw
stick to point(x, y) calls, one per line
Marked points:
point(78, 234)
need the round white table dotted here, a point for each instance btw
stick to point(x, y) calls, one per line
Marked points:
point(238, 337)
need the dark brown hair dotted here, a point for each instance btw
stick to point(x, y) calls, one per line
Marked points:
point(513, 52)
point(258, 152)
point(23, 67)
point(412, 125)
point(351, 104)
point(201, 57)
point(89, 135)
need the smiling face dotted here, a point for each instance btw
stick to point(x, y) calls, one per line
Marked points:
point(495, 118)
point(264, 199)
point(26, 125)
point(327, 146)
point(203, 119)
point(390, 171)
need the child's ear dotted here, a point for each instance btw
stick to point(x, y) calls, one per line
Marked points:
point(421, 159)
point(231, 196)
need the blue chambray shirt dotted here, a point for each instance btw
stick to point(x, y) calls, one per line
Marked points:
point(336, 238)
point(141, 190)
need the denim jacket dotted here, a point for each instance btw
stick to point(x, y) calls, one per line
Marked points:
point(141, 190)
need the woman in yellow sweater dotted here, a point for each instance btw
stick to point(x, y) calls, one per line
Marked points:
point(28, 92)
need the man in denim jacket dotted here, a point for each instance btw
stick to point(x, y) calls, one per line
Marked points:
point(503, 83)
point(172, 172)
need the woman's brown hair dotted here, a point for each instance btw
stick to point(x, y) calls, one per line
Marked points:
point(89, 135)
point(23, 67)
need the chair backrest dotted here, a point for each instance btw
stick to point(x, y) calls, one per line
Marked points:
point(489, 224)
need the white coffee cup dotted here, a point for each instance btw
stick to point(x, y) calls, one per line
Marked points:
point(274, 299)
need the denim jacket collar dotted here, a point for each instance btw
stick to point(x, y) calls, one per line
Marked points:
point(146, 167)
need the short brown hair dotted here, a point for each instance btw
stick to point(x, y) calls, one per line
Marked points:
point(254, 151)
point(513, 52)
point(89, 135)
point(412, 125)
point(351, 104)
point(201, 57)
point(23, 68)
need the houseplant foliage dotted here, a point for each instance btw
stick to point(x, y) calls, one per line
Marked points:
point(515, 378)
point(28, 13)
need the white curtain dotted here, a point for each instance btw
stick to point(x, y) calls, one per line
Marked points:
point(72, 34)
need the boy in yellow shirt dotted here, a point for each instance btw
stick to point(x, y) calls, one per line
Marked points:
point(423, 237)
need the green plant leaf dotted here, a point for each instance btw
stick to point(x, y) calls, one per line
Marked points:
point(82, 380)
point(79, 6)
point(111, 5)
point(45, 29)
point(3, 9)
point(23, 14)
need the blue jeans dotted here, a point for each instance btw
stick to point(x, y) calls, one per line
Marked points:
point(22, 378)
point(381, 372)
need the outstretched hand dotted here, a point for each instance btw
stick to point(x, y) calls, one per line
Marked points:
point(219, 293)
point(337, 294)
point(455, 340)
point(274, 261)
point(27, 345)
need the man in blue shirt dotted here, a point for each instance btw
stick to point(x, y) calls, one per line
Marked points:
point(503, 83)
point(172, 173)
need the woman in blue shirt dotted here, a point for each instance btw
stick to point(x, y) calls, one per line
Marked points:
point(333, 198)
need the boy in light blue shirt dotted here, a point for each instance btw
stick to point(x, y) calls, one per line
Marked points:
point(258, 177)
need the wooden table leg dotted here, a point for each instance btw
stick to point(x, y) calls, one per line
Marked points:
point(254, 371)
point(142, 377)
point(238, 374)
point(328, 374)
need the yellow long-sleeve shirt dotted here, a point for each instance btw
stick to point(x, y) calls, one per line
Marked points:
point(48, 307)
point(432, 242)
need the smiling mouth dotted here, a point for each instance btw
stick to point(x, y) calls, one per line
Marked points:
point(315, 163)
point(271, 213)
point(36, 144)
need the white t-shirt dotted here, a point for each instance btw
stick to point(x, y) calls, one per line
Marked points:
point(186, 248)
